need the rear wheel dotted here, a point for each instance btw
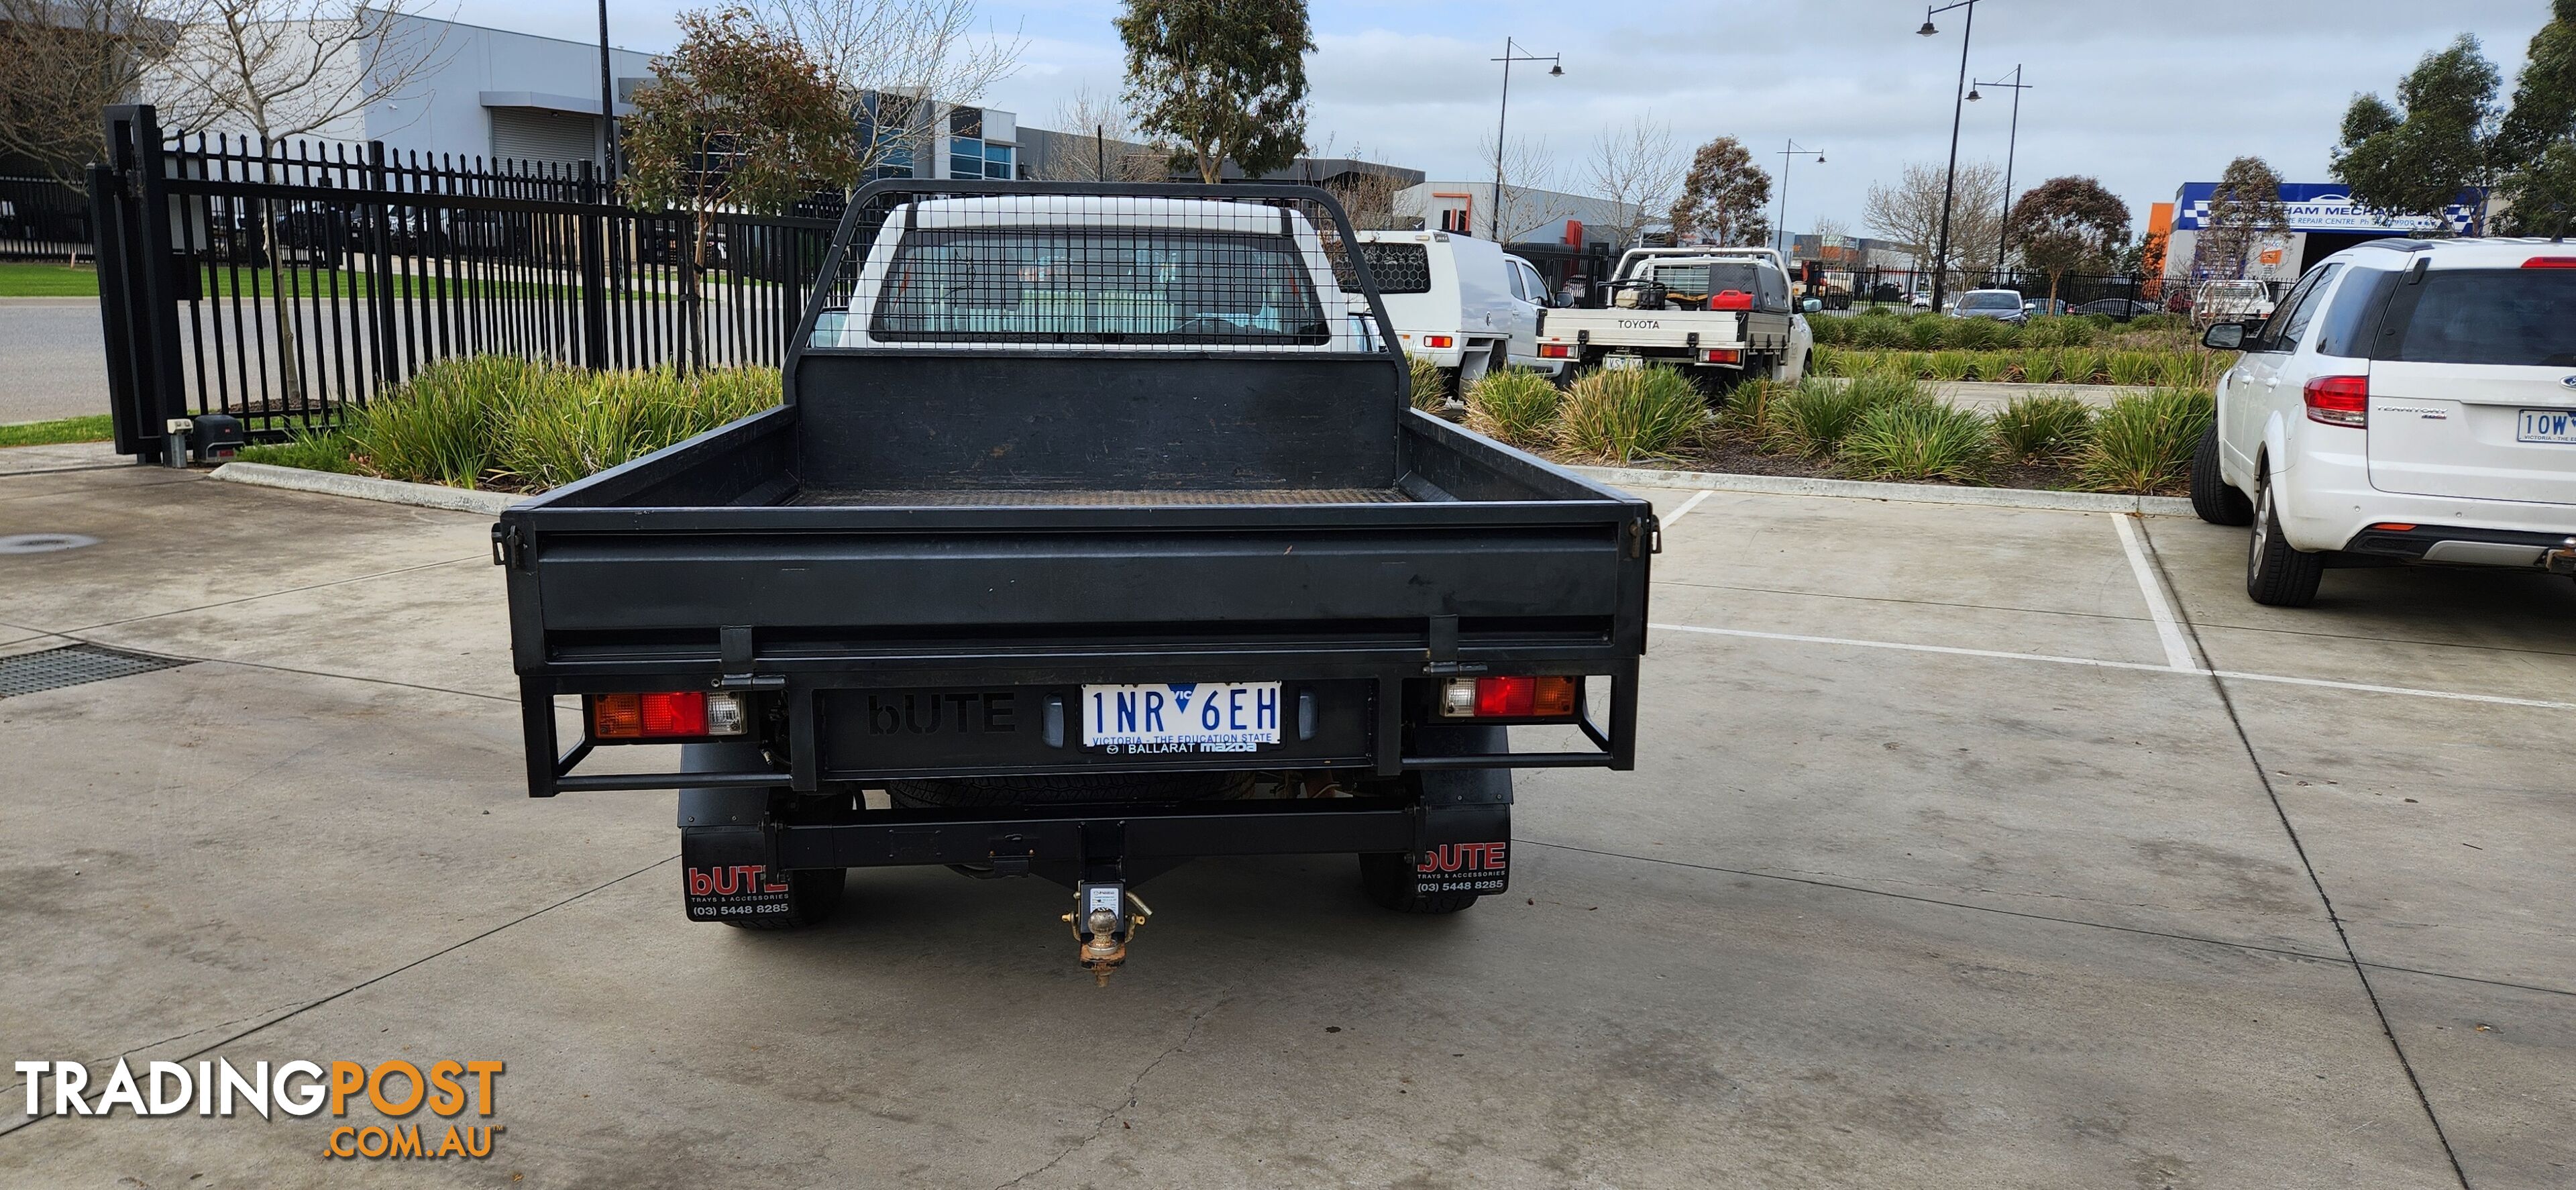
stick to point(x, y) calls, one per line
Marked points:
point(2277, 575)
point(2211, 497)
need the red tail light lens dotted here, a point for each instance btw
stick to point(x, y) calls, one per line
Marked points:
point(1556, 351)
point(1439, 342)
point(2338, 400)
point(2550, 262)
point(1721, 355)
point(1508, 698)
point(664, 715)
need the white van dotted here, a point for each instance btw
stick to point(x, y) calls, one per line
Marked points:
point(1461, 302)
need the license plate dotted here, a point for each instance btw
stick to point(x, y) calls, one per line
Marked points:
point(1618, 363)
point(2548, 425)
point(1181, 716)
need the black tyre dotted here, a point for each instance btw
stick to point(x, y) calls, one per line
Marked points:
point(1391, 882)
point(2275, 574)
point(2211, 497)
point(813, 895)
point(1044, 791)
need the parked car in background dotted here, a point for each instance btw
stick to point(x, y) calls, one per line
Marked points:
point(2040, 306)
point(1921, 300)
point(2410, 402)
point(2002, 305)
point(1835, 297)
point(2231, 301)
point(1460, 302)
point(2121, 308)
point(1886, 291)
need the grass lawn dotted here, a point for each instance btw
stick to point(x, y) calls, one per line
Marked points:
point(37, 278)
point(94, 428)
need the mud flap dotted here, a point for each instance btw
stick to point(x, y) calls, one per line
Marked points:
point(1466, 828)
point(730, 873)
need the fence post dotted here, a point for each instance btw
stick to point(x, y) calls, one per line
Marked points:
point(380, 266)
point(107, 220)
point(594, 274)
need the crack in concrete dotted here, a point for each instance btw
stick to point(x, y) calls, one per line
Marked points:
point(1125, 1101)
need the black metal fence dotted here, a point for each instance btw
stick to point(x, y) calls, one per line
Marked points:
point(2106, 291)
point(42, 219)
point(287, 283)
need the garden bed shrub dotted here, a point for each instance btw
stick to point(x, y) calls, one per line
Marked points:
point(1631, 413)
point(2044, 428)
point(2144, 441)
point(1515, 405)
point(493, 421)
point(1430, 383)
point(1916, 439)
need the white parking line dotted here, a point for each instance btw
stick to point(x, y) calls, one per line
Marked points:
point(1687, 505)
point(2168, 629)
point(2186, 670)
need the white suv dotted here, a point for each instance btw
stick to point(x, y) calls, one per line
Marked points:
point(2410, 401)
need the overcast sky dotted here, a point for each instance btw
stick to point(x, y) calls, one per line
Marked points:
point(2142, 96)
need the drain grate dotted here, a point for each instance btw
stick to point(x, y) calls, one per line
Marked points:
point(73, 665)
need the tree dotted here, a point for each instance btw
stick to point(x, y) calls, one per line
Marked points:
point(1639, 171)
point(2537, 143)
point(1908, 212)
point(288, 68)
point(1095, 145)
point(2438, 140)
point(1525, 203)
point(2067, 224)
point(67, 60)
point(907, 49)
point(1724, 195)
point(2245, 207)
point(1222, 79)
point(737, 118)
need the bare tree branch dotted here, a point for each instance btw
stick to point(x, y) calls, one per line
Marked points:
point(66, 60)
point(1639, 170)
point(915, 49)
point(1100, 128)
point(285, 68)
point(1527, 204)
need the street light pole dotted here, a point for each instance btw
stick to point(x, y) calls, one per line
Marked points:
point(1556, 69)
point(607, 107)
point(1786, 156)
point(1958, 106)
point(2003, 238)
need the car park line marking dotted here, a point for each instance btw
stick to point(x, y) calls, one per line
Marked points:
point(1688, 505)
point(2140, 666)
point(2168, 629)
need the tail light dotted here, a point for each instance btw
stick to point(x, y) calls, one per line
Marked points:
point(1721, 355)
point(1730, 299)
point(1508, 698)
point(2550, 262)
point(1438, 342)
point(2338, 400)
point(1556, 351)
point(667, 715)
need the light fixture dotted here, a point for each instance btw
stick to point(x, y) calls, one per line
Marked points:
point(1927, 30)
point(1557, 70)
point(1973, 96)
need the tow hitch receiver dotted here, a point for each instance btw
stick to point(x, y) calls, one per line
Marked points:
point(1104, 932)
point(2561, 560)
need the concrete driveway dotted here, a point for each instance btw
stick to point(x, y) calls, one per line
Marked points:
point(1968, 847)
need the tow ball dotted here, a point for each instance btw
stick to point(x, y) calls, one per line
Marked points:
point(2561, 560)
point(1102, 931)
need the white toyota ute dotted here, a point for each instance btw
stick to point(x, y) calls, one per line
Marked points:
point(2409, 401)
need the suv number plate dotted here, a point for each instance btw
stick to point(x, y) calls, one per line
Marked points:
point(2548, 425)
point(1181, 716)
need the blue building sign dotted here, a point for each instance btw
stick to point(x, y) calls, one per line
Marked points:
point(2326, 206)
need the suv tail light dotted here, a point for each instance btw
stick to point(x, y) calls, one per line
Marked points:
point(1508, 698)
point(2550, 262)
point(2338, 400)
point(667, 715)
